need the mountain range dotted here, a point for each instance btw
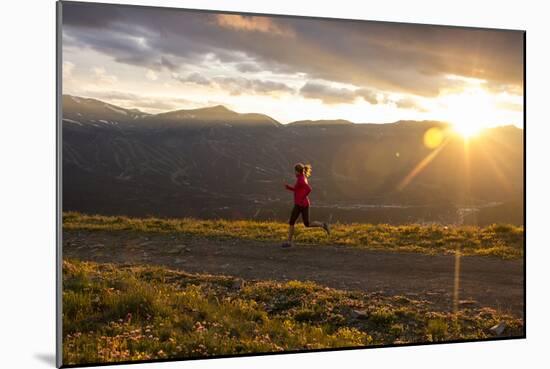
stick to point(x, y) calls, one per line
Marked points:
point(216, 163)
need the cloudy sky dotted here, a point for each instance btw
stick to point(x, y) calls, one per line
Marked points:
point(291, 68)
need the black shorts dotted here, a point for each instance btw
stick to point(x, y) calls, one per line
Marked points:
point(296, 211)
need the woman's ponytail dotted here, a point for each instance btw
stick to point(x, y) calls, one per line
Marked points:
point(307, 170)
point(304, 169)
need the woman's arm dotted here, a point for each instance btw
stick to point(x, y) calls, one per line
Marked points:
point(290, 188)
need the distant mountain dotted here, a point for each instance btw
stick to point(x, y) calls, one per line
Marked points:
point(216, 115)
point(324, 122)
point(214, 162)
point(94, 111)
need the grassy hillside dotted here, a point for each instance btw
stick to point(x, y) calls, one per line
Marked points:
point(504, 241)
point(119, 313)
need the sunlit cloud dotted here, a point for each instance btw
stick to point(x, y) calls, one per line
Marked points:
point(151, 75)
point(513, 106)
point(474, 109)
point(252, 23)
point(294, 68)
point(102, 77)
point(144, 102)
point(67, 69)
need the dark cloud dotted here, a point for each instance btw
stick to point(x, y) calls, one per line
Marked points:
point(248, 67)
point(367, 95)
point(198, 79)
point(166, 63)
point(90, 15)
point(239, 85)
point(327, 94)
point(408, 103)
point(337, 95)
point(195, 77)
point(236, 85)
point(404, 58)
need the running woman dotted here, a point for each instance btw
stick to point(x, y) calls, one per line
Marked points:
point(301, 202)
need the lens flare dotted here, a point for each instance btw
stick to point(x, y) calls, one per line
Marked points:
point(433, 137)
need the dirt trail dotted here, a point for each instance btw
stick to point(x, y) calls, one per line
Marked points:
point(484, 281)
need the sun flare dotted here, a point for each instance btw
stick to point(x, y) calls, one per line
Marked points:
point(466, 130)
point(470, 111)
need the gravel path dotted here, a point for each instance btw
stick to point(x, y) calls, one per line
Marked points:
point(484, 281)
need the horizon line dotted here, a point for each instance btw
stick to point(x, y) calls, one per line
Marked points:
point(295, 121)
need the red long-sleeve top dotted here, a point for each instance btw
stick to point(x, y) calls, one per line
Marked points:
point(301, 189)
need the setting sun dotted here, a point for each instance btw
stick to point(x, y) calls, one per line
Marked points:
point(470, 111)
point(466, 130)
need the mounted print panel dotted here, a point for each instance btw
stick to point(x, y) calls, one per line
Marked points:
point(241, 184)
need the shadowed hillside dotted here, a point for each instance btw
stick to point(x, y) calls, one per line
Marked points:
point(214, 162)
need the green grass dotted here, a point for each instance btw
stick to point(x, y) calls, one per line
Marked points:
point(121, 312)
point(501, 240)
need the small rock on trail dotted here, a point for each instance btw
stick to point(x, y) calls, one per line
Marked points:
point(498, 329)
point(358, 314)
point(237, 284)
